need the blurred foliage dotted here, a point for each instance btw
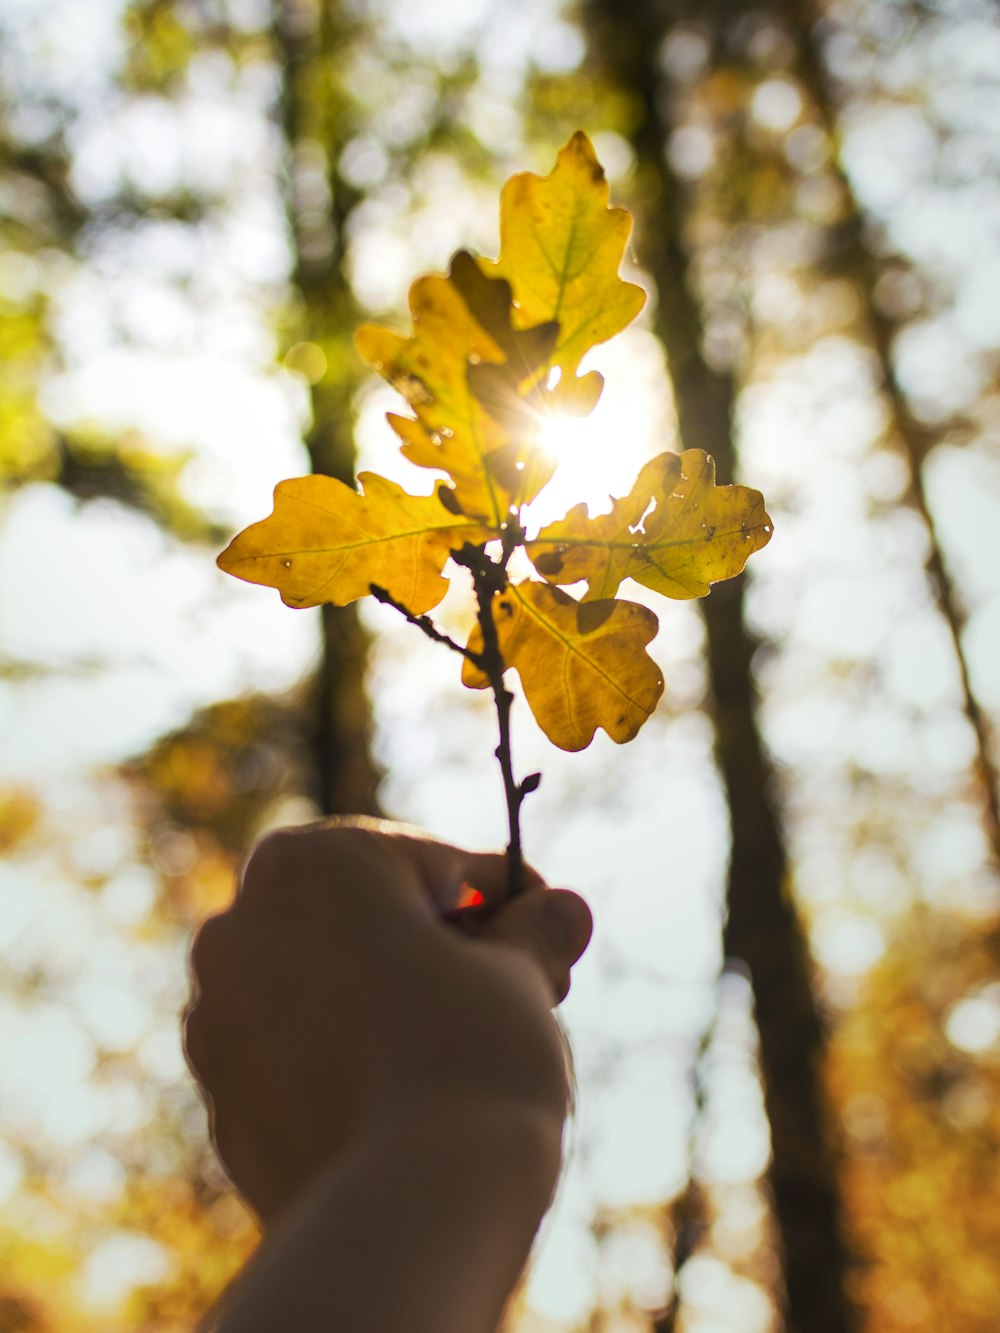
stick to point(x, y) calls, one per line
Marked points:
point(26, 439)
point(915, 1072)
point(20, 812)
point(162, 39)
point(208, 1236)
point(157, 1200)
point(741, 163)
point(203, 793)
point(223, 770)
point(46, 232)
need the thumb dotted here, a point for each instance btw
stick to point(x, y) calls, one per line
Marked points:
point(553, 926)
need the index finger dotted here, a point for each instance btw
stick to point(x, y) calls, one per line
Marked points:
point(357, 848)
point(447, 872)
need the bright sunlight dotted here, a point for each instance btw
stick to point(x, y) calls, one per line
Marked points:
point(599, 455)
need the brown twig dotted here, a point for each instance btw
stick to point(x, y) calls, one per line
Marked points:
point(489, 578)
point(425, 624)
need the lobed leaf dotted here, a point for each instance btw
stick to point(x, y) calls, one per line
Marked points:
point(486, 336)
point(325, 542)
point(452, 431)
point(583, 665)
point(560, 249)
point(677, 533)
point(475, 372)
point(461, 371)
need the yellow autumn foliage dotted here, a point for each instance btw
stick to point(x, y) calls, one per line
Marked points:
point(327, 543)
point(583, 665)
point(676, 533)
point(495, 347)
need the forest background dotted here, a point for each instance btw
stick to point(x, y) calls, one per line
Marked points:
point(787, 1030)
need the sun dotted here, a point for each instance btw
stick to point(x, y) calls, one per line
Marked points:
point(597, 456)
point(561, 436)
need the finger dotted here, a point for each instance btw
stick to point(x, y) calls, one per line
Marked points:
point(208, 950)
point(447, 872)
point(362, 845)
point(553, 926)
point(239, 1152)
point(195, 1040)
point(346, 853)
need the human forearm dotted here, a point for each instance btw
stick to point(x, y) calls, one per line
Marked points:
point(388, 1085)
point(424, 1227)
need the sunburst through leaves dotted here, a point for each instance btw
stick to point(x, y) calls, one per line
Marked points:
point(494, 354)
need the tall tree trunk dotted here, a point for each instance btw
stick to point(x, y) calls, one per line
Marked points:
point(310, 41)
point(762, 927)
point(852, 257)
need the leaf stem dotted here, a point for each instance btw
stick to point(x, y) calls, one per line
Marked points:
point(489, 577)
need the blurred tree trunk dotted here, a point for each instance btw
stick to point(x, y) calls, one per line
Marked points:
point(853, 259)
point(316, 124)
point(762, 926)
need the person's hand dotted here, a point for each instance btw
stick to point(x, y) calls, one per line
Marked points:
point(333, 999)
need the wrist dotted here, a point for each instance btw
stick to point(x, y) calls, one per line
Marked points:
point(523, 1138)
point(508, 1154)
point(445, 1197)
point(471, 1181)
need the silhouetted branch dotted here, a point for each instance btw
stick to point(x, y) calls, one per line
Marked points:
point(489, 578)
point(425, 624)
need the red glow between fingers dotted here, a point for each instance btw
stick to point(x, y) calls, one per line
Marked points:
point(467, 909)
point(469, 897)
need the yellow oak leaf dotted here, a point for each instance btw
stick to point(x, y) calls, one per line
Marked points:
point(560, 249)
point(325, 542)
point(460, 371)
point(453, 431)
point(676, 533)
point(490, 301)
point(583, 665)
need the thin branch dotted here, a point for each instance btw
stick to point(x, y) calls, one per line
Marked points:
point(425, 624)
point(488, 579)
